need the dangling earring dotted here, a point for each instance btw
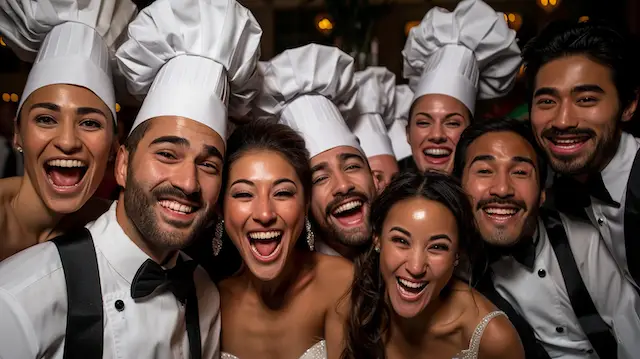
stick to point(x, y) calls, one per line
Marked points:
point(19, 149)
point(377, 249)
point(457, 261)
point(311, 238)
point(216, 243)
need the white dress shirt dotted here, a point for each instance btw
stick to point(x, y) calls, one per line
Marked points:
point(322, 247)
point(608, 219)
point(33, 303)
point(541, 297)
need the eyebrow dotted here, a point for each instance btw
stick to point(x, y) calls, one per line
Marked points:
point(440, 236)
point(46, 106)
point(283, 180)
point(212, 151)
point(319, 167)
point(79, 110)
point(89, 111)
point(401, 230)
point(524, 159)
point(546, 91)
point(446, 117)
point(587, 88)
point(242, 181)
point(347, 156)
point(482, 158)
point(251, 183)
point(181, 141)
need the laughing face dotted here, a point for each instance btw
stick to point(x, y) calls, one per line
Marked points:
point(434, 130)
point(501, 177)
point(342, 192)
point(172, 180)
point(264, 210)
point(575, 114)
point(418, 246)
point(67, 135)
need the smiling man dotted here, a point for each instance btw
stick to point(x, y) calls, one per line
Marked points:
point(584, 80)
point(552, 271)
point(121, 287)
point(313, 101)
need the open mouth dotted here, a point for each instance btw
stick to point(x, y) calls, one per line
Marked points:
point(65, 174)
point(568, 143)
point(349, 213)
point(437, 155)
point(177, 207)
point(265, 245)
point(409, 289)
point(502, 213)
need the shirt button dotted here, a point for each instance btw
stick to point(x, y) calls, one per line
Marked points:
point(119, 305)
point(590, 351)
point(600, 221)
point(560, 329)
point(542, 273)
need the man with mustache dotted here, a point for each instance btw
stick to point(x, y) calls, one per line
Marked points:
point(313, 101)
point(583, 81)
point(121, 287)
point(550, 270)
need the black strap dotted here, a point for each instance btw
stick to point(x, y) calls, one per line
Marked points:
point(598, 332)
point(193, 324)
point(85, 322)
point(632, 220)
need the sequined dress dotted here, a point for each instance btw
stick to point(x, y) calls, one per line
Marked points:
point(318, 351)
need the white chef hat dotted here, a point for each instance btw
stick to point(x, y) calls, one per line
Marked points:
point(465, 53)
point(69, 42)
point(398, 130)
point(374, 111)
point(192, 58)
point(311, 89)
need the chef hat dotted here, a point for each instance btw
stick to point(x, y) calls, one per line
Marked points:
point(398, 130)
point(470, 51)
point(310, 89)
point(375, 109)
point(192, 58)
point(69, 42)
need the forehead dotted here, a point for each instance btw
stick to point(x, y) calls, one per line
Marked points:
point(334, 156)
point(422, 217)
point(438, 104)
point(196, 133)
point(569, 71)
point(501, 145)
point(262, 166)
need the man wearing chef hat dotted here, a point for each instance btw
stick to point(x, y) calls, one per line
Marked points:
point(398, 130)
point(129, 290)
point(451, 59)
point(312, 90)
point(374, 112)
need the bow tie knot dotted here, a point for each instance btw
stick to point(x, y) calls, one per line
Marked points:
point(151, 276)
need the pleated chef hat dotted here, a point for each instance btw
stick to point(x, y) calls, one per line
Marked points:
point(69, 42)
point(467, 53)
point(310, 89)
point(375, 109)
point(398, 130)
point(193, 58)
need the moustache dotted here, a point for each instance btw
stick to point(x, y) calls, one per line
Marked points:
point(554, 131)
point(341, 198)
point(502, 201)
point(170, 191)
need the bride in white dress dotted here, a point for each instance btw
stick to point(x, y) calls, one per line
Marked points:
point(286, 301)
point(406, 301)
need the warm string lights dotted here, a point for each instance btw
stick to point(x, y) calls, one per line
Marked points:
point(324, 24)
point(548, 5)
point(2, 43)
point(513, 20)
point(7, 97)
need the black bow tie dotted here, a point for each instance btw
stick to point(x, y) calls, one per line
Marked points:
point(571, 194)
point(524, 252)
point(150, 276)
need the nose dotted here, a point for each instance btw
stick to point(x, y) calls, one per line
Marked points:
point(502, 186)
point(417, 264)
point(67, 139)
point(565, 117)
point(263, 212)
point(436, 134)
point(186, 179)
point(342, 185)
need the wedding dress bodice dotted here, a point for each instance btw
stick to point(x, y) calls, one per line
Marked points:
point(318, 351)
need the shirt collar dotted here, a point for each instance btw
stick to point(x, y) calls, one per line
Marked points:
point(616, 174)
point(121, 253)
point(324, 248)
point(523, 252)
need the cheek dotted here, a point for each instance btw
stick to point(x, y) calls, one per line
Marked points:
point(235, 216)
point(441, 265)
point(99, 144)
point(475, 188)
point(210, 188)
point(417, 134)
point(391, 260)
point(454, 133)
point(318, 202)
point(35, 139)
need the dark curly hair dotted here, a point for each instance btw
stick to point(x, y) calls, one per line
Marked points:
point(369, 317)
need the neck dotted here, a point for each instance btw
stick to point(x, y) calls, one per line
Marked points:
point(33, 216)
point(159, 254)
point(413, 331)
point(348, 252)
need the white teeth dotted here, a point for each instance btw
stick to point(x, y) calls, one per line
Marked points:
point(501, 211)
point(175, 206)
point(66, 163)
point(568, 142)
point(265, 235)
point(413, 285)
point(348, 206)
point(437, 152)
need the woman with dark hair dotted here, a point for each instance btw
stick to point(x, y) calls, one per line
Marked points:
point(286, 300)
point(406, 301)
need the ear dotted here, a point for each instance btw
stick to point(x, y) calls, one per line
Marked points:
point(543, 197)
point(376, 241)
point(376, 182)
point(630, 110)
point(17, 141)
point(406, 131)
point(122, 164)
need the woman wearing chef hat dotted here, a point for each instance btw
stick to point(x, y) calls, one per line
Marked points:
point(451, 59)
point(375, 111)
point(398, 130)
point(66, 121)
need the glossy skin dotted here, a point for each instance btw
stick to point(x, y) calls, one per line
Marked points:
point(264, 195)
point(501, 177)
point(383, 167)
point(341, 175)
point(576, 114)
point(64, 122)
point(177, 165)
point(436, 123)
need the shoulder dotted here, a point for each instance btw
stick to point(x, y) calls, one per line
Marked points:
point(36, 265)
point(92, 210)
point(334, 272)
point(9, 187)
point(500, 340)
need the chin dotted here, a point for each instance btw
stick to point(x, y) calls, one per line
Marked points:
point(66, 205)
point(408, 310)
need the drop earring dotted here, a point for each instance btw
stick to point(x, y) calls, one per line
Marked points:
point(216, 243)
point(311, 238)
point(19, 149)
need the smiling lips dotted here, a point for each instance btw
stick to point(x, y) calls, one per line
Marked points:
point(410, 290)
point(65, 175)
point(500, 214)
point(567, 144)
point(349, 213)
point(265, 245)
point(437, 155)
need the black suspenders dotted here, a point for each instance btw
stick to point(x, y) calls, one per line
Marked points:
point(598, 332)
point(85, 317)
point(632, 220)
